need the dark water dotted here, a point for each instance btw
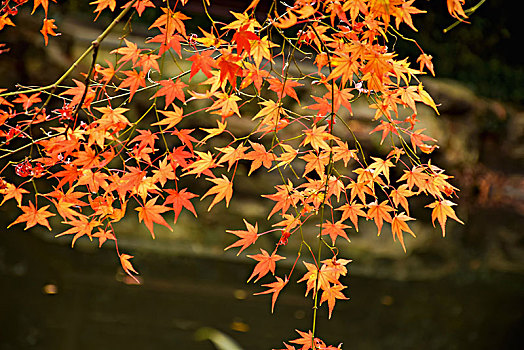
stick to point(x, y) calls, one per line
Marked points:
point(92, 308)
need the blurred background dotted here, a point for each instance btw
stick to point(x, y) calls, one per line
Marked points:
point(465, 291)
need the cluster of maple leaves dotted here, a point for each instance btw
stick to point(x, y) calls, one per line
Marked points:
point(99, 158)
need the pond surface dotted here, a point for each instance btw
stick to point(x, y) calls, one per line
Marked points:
point(53, 297)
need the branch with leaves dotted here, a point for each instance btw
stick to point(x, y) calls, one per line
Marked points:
point(85, 156)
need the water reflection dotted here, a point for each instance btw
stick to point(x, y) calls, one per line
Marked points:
point(56, 298)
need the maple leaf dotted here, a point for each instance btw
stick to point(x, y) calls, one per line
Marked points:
point(285, 88)
point(317, 137)
point(180, 199)
point(202, 62)
point(33, 216)
point(148, 62)
point(261, 49)
point(127, 266)
point(231, 155)
point(171, 90)
point(168, 40)
point(381, 166)
point(223, 189)
point(425, 61)
point(227, 105)
point(146, 138)
point(164, 172)
point(112, 118)
point(43, 3)
point(331, 294)
point(172, 118)
point(379, 213)
point(102, 4)
point(48, 28)
point(311, 278)
point(103, 236)
point(213, 131)
point(184, 136)
point(288, 154)
point(284, 198)
point(130, 52)
point(82, 226)
point(134, 80)
point(442, 209)
point(247, 238)
point(286, 22)
point(140, 6)
point(266, 263)
point(78, 92)
point(360, 189)
point(334, 230)
point(274, 288)
point(306, 340)
point(415, 177)
point(150, 213)
point(11, 191)
point(260, 157)
point(455, 9)
point(202, 165)
point(386, 128)
point(398, 224)
point(352, 211)
point(26, 101)
point(400, 195)
point(171, 19)
point(242, 38)
point(4, 20)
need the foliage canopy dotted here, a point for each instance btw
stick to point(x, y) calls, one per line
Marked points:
point(89, 163)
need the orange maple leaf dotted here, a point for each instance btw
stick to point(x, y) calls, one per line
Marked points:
point(43, 3)
point(127, 266)
point(103, 236)
point(352, 211)
point(223, 189)
point(274, 288)
point(311, 278)
point(33, 216)
point(398, 224)
point(441, 211)
point(102, 4)
point(247, 238)
point(334, 230)
point(380, 213)
point(27, 101)
point(265, 264)
point(11, 191)
point(260, 157)
point(134, 80)
point(81, 227)
point(331, 294)
point(150, 213)
point(48, 28)
point(172, 118)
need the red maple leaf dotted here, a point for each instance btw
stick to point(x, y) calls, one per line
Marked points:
point(171, 90)
point(202, 62)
